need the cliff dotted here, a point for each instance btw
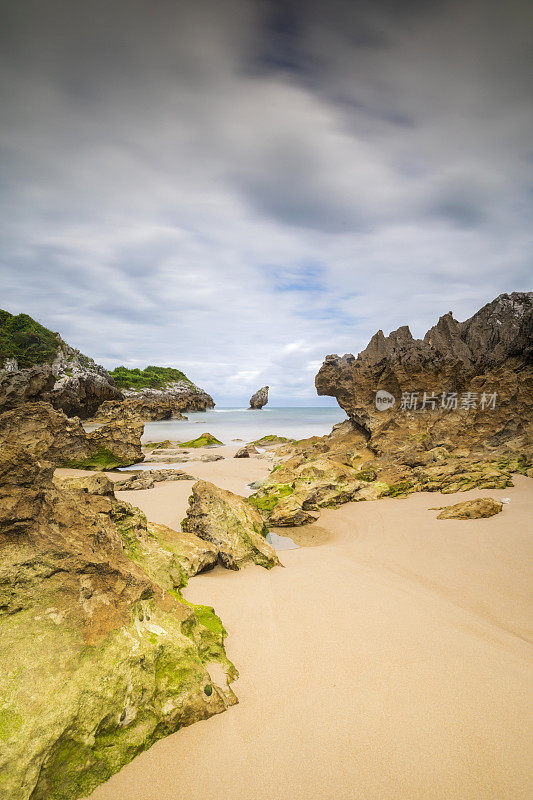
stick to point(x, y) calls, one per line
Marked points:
point(36, 364)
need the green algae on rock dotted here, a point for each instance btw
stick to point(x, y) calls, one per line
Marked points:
point(235, 527)
point(204, 440)
point(91, 614)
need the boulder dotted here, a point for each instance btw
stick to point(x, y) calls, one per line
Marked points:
point(259, 399)
point(246, 451)
point(471, 509)
point(231, 524)
point(92, 617)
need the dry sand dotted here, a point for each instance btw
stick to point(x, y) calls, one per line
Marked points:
point(389, 662)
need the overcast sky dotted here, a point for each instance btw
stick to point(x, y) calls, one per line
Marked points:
point(238, 188)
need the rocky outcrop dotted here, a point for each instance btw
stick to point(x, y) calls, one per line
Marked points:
point(81, 384)
point(234, 527)
point(471, 509)
point(36, 364)
point(147, 478)
point(467, 383)
point(49, 434)
point(259, 399)
point(340, 467)
point(100, 654)
point(151, 404)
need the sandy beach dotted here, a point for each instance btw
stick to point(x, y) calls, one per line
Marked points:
point(390, 661)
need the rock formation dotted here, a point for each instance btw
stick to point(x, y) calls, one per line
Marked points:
point(259, 399)
point(468, 383)
point(156, 404)
point(234, 527)
point(36, 364)
point(100, 656)
point(49, 434)
point(471, 509)
point(448, 413)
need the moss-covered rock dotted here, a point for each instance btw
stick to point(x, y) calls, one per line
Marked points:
point(204, 440)
point(100, 656)
point(235, 527)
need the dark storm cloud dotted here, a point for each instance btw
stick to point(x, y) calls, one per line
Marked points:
point(159, 154)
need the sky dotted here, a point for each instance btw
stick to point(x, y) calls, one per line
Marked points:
point(239, 187)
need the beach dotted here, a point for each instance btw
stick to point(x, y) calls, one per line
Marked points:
point(388, 660)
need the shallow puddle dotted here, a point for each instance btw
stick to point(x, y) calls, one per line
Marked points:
point(281, 542)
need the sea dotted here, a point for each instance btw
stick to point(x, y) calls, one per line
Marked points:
point(229, 424)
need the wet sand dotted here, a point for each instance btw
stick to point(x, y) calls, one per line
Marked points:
point(390, 661)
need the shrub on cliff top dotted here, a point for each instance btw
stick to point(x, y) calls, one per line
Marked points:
point(23, 338)
point(150, 378)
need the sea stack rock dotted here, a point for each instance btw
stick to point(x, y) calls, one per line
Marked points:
point(259, 399)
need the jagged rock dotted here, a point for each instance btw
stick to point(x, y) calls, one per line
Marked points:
point(146, 479)
point(100, 655)
point(50, 435)
point(246, 451)
point(471, 509)
point(489, 353)
point(231, 524)
point(259, 399)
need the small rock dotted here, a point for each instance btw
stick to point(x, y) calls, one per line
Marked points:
point(471, 509)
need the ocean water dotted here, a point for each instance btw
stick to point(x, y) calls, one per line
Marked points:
point(240, 423)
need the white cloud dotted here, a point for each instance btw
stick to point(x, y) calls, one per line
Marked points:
point(170, 197)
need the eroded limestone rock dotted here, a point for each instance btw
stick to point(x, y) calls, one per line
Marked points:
point(231, 524)
point(490, 353)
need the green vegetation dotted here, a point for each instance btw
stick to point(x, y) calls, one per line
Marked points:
point(266, 499)
point(101, 459)
point(149, 378)
point(205, 440)
point(271, 438)
point(23, 338)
